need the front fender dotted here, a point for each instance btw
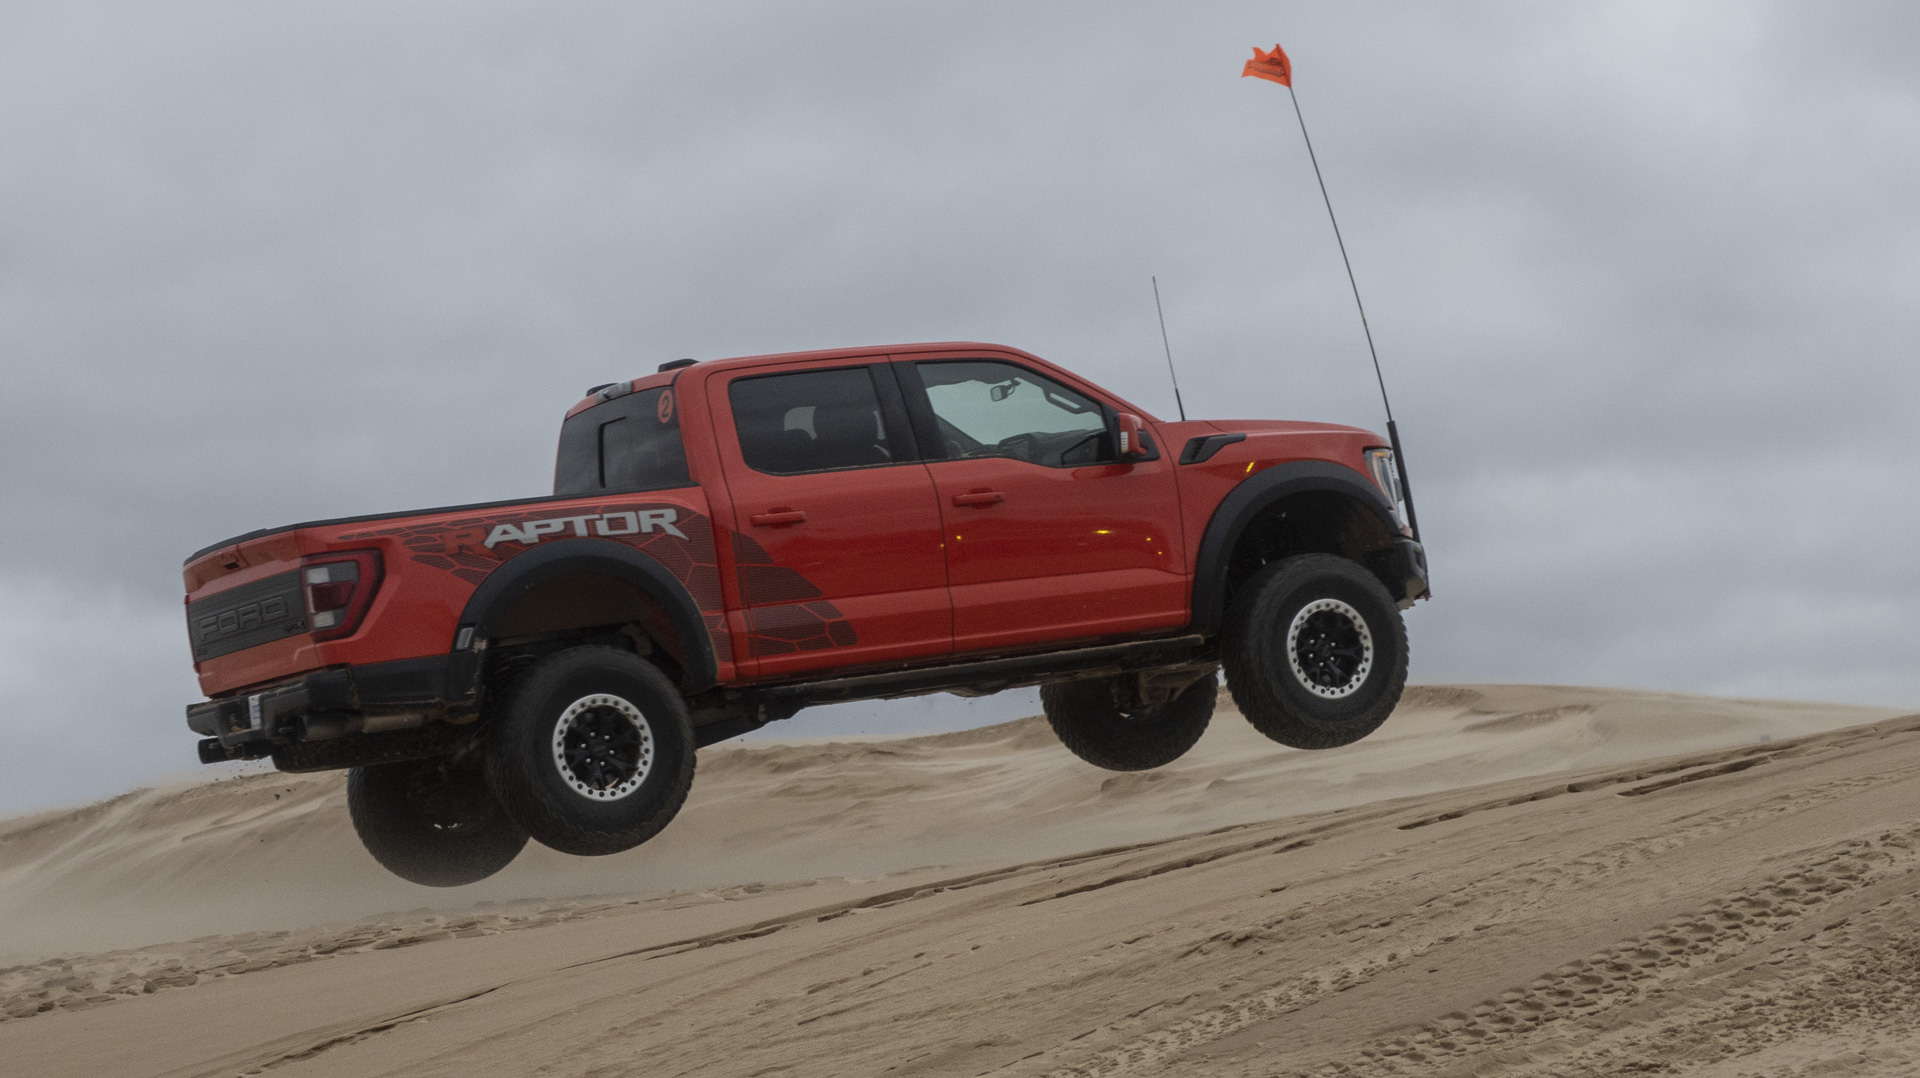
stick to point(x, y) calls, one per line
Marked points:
point(1248, 500)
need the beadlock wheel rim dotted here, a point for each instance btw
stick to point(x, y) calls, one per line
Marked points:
point(602, 747)
point(1330, 649)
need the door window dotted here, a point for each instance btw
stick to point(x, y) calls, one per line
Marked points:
point(988, 409)
point(811, 421)
point(1001, 410)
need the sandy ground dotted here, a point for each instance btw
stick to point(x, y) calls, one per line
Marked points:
point(1506, 880)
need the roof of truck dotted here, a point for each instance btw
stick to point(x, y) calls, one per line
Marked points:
point(661, 378)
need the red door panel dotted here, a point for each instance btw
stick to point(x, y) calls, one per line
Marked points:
point(836, 566)
point(1063, 552)
point(1049, 537)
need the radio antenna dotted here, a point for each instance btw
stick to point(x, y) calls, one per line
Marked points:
point(1276, 67)
point(1177, 403)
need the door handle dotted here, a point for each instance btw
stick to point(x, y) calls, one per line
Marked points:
point(980, 497)
point(778, 517)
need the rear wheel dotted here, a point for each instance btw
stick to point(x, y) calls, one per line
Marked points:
point(1315, 652)
point(1099, 721)
point(431, 822)
point(592, 752)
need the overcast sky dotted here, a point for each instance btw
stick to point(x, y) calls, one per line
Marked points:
point(1642, 275)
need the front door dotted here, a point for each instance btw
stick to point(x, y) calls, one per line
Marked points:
point(1049, 536)
point(836, 531)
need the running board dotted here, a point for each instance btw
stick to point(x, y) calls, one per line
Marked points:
point(986, 676)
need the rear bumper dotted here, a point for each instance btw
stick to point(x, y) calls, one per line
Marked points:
point(320, 706)
point(248, 726)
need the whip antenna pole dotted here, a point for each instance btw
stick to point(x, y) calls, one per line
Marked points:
point(1276, 67)
point(1344, 260)
point(1163, 343)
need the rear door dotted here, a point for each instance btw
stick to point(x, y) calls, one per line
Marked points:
point(1049, 537)
point(836, 530)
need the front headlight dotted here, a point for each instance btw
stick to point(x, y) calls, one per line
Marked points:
point(1387, 477)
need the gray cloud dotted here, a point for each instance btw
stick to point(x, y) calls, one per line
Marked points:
point(1642, 275)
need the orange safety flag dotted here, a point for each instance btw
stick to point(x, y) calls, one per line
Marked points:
point(1272, 66)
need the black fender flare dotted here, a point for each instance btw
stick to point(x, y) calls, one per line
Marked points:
point(1247, 501)
point(565, 557)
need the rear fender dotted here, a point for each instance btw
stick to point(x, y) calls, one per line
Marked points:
point(558, 558)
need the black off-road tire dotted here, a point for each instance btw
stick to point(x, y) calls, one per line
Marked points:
point(431, 822)
point(592, 751)
point(1337, 678)
point(1093, 725)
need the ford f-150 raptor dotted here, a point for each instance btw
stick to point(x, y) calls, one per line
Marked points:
point(731, 541)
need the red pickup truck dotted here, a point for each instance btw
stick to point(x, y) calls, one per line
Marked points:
point(729, 542)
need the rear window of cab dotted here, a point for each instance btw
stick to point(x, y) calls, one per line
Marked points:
point(629, 443)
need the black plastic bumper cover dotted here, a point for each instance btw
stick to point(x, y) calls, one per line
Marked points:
point(1406, 564)
point(246, 725)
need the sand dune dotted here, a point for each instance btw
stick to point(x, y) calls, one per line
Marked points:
point(1498, 882)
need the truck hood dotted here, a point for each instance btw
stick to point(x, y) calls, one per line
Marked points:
point(1289, 426)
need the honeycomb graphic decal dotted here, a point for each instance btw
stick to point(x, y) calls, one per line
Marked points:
point(801, 622)
point(684, 547)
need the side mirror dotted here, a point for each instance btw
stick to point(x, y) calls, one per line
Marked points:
point(1131, 439)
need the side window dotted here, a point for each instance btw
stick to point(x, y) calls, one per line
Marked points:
point(989, 409)
point(628, 443)
point(810, 421)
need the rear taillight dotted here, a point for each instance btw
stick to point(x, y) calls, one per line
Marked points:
point(339, 588)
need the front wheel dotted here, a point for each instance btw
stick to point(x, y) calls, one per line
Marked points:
point(431, 822)
point(1099, 720)
point(593, 751)
point(1315, 651)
